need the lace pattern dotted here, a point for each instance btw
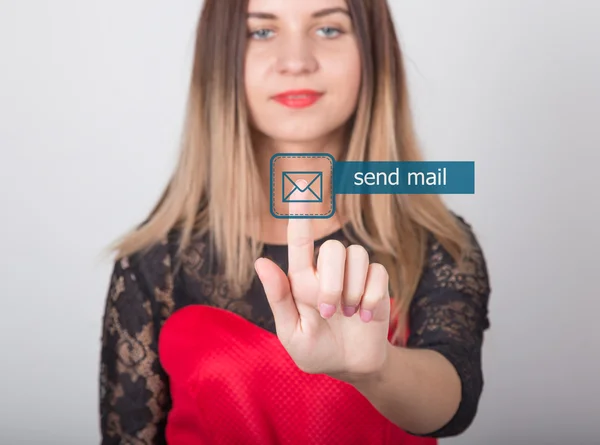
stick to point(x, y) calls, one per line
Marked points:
point(134, 398)
point(448, 314)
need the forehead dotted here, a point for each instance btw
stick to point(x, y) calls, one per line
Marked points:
point(293, 7)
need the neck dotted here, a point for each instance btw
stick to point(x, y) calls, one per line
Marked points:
point(265, 148)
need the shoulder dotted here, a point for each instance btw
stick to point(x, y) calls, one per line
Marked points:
point(152, 264)
point(152, 269)
point(452, 296)
point(164, 264)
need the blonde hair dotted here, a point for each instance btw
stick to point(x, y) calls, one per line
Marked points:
point(216, 187)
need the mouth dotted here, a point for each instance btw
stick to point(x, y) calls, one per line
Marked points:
point(298, 98)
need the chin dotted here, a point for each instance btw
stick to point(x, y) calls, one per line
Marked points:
point(302, 133)
point(299, 138)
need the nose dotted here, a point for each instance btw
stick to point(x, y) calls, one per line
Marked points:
point(296, 57)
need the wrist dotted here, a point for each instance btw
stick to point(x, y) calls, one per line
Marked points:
point(376, 378)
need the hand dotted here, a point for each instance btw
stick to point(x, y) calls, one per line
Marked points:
point(310, 306)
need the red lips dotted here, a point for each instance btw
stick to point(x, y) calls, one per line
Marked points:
point(298, 98)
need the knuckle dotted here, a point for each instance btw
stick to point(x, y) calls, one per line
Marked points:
point(298, 280)
point(357, 251)
point(331, 294)
point(332, 246)
point(301, 241)
point(379, 271)
point(352, 296)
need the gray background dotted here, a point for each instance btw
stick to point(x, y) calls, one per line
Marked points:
point(91, 106)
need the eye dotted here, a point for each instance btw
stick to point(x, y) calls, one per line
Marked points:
point(329, 32)
point(261, 34)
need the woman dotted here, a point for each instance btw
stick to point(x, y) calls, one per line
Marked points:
point(367, 330)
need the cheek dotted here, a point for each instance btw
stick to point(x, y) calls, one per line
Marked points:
point(345, 78)
point(345, 70)
point(254, 84)
point(250, 74)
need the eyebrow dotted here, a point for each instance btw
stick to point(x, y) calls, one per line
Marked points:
point(320, 13)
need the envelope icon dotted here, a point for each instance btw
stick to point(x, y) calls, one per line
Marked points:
point(312, 192)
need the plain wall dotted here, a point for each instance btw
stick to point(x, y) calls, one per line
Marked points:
point(91, 107)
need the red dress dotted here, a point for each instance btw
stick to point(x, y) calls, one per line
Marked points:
point(233, 383)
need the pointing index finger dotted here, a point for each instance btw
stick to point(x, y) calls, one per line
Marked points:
point(299, 234)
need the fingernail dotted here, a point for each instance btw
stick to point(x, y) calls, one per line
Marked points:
point(349, 311)
point(327, 310)
point(300, 185)
point(365, 315)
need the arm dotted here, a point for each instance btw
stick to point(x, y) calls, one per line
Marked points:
point(418, 390)
point(432, 387)
point(134, 395)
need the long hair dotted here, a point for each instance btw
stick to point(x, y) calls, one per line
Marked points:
point(216, 188)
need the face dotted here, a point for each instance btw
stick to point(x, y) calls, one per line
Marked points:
point(302, 74)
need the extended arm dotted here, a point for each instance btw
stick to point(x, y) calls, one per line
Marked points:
point(432, 387)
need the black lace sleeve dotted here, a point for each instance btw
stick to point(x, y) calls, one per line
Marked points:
point(133, 387)
point(450, 314)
